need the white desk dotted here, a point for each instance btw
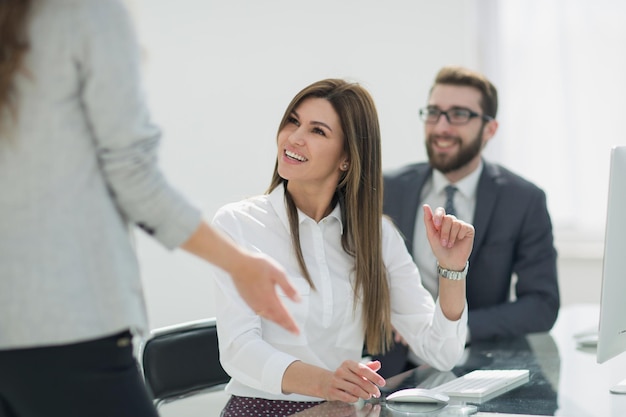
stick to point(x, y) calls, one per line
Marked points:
point(583, 386)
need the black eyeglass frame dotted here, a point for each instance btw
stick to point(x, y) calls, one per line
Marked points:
point(423, 112)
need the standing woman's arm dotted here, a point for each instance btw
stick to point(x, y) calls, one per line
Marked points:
point(107, 60)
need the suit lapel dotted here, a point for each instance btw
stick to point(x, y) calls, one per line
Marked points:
point(486, 197)
point(413, 192)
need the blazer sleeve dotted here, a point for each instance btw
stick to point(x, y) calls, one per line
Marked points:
point(107, 61)
point(520, 243)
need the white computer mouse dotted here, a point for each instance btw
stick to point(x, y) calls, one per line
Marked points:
point(417, 395)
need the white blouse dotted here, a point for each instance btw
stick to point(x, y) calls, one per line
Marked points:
point(256, 352)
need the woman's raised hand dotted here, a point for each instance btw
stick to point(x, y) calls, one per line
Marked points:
point(450, 239)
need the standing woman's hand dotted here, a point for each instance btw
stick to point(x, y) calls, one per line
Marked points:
point(255, 275)
point(256, 280)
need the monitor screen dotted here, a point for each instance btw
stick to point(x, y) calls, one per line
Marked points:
point(612, 328)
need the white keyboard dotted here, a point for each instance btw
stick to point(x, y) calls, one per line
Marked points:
point(484, 383)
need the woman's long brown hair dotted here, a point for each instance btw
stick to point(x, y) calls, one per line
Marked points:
point(13, 46)
point(359, 193)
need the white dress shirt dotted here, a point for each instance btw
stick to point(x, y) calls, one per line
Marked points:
point(256, 352)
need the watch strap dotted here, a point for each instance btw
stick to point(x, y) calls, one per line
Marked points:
point(453, 275)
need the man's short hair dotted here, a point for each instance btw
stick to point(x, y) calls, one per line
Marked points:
point(460, 76)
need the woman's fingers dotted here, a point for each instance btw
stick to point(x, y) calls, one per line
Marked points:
point(450, 239)
point(354, 380)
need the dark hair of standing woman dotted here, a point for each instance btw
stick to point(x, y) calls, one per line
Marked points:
point(13, 45)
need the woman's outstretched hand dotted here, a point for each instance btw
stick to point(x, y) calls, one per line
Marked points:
point(256, 281)
point(255, 275)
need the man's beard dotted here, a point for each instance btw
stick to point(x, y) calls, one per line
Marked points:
point(448, 163)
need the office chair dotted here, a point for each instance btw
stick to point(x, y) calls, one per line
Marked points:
point(182, 360)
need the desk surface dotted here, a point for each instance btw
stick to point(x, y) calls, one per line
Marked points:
point(564, 380)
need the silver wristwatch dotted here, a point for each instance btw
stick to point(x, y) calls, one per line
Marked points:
point(453, 275)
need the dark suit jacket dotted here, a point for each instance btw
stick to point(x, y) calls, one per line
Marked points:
point(513, 236)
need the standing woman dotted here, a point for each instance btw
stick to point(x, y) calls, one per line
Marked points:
point(322, 219)
point(78, 166)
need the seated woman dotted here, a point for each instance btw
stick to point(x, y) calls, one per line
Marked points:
point(322, 220)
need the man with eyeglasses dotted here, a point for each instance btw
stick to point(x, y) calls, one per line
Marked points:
point(514, 241)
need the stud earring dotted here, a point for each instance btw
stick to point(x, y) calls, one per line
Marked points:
point(344, 166)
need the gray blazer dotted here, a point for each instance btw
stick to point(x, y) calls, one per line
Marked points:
point(77, 169)
point(513, 236)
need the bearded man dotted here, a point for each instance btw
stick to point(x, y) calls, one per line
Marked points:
point(512, 285)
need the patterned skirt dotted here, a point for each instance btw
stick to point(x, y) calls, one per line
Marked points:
point(260, 407)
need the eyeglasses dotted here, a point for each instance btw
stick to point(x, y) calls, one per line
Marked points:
point(456, 116)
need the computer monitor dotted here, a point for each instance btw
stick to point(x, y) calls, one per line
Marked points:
point(612, 327)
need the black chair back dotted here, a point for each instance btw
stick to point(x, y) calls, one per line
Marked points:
point(182, 360)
